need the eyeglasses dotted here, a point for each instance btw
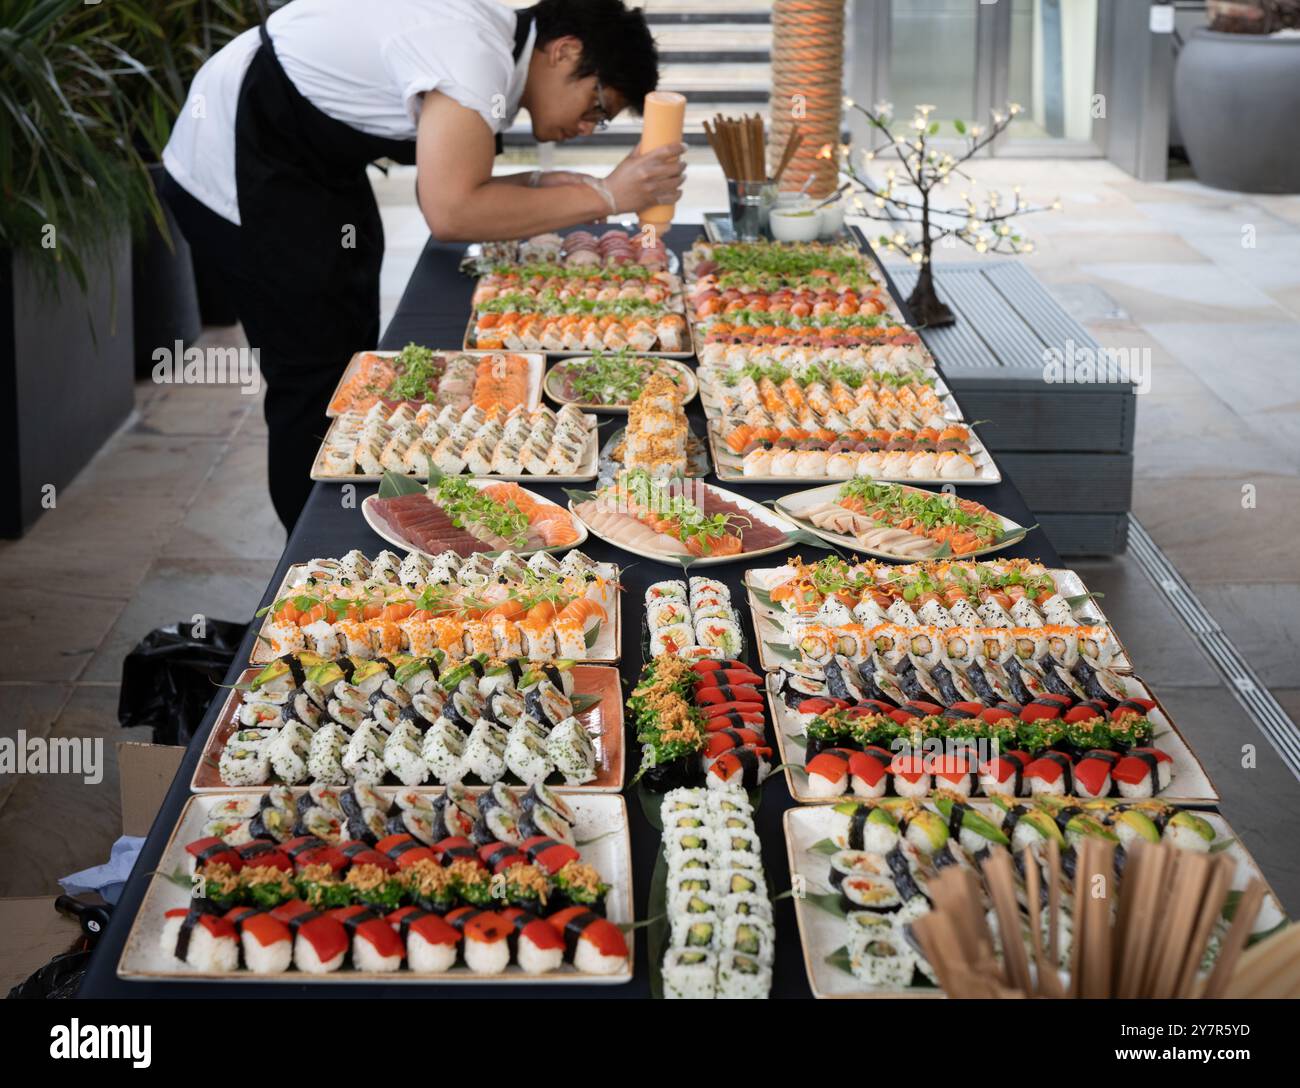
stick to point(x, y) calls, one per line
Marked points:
point(603, 116)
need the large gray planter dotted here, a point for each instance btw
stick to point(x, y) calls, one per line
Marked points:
point(1237, 97)
point(66, 381)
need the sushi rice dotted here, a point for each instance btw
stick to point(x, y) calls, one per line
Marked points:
point(721, 939)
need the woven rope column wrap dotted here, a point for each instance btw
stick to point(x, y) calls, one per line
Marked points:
point(807, 88)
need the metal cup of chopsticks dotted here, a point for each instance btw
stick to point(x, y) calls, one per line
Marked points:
point(751, 203)
point(742, 151)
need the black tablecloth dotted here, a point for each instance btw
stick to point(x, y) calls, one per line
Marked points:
point(433, 311)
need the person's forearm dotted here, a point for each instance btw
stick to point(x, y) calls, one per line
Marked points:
point(499, 210)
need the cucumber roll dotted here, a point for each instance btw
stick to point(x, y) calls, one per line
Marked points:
point(570, 749)
point(743, 976)
point(443, 751)
point(485, 751)
point(525, 755)
point(689, 974)
point(325, 757)
point(244, 765)
point(364, 758)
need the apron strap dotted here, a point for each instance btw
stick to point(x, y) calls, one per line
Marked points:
point(523, 24)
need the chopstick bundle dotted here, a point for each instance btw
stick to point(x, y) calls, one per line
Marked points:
point(1145, 938)
point(740, 146)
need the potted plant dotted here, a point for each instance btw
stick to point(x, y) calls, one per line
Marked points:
point(1236, 93)
point(73, 188)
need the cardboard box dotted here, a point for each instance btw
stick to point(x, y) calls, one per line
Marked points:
point(145, 772)
point(32, 933)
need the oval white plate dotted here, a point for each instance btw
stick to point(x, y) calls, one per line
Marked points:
point(753, 509)
point(790, 505)
point(690, 384)
point(480, 482)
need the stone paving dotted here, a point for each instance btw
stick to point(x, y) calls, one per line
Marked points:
point(172, 517)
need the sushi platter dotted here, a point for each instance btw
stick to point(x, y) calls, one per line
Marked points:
point(187, 907)
point(842, 459)
point(669, 521)
point(864, 950)
point(970, 530)
point(611, 382)
point(770, 592)
point(536, 445)
point(307, 610)
point(442, 518)
point(813, 393)
point(925, 749)
point(416, 375)
point(253, 717)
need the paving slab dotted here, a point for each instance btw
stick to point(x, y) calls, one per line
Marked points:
point(1260, 619)
point(175, 590)
point(1162, 650)
point(234, 518)
point(30, 709)
point(56, 824)
point(1208, 535)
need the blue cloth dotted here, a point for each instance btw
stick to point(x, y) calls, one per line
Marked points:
point(107, 879)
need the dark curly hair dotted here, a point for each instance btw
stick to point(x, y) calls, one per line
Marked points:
point(616, 43)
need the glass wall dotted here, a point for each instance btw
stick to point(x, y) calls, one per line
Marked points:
point(1052, 63)
point(933, 56)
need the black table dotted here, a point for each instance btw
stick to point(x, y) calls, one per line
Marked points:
point(433, 311)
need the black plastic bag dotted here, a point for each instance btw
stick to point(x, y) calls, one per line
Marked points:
point(170, 678)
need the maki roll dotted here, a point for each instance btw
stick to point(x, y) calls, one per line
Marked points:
point(594, 945)
point(540, 820)
point(570, 750)
point(525, 755)
point(485, 751)
point(871, 893)
point(498, 818)
point(547, 703)
point(689, 974)
point(579, 885)
point(543, 795)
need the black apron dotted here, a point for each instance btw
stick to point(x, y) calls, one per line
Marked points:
point(311, 245)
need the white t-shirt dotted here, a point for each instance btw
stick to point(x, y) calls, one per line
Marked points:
point(362, 62)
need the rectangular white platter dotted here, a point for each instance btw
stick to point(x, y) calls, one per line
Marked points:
point(606, 650)
point(536, 370)
point(821, 932)
point(1189, 783)
point(601, 818)
point(730, 468)
point(768, 628)
point(586, 470)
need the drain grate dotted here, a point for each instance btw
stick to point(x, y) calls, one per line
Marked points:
point(1258, 702)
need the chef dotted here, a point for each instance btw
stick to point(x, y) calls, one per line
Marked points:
point(266, 166)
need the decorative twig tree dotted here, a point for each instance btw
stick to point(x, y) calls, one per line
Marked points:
point(904, 196)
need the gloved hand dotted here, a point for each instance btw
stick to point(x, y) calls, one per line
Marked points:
point(641, 181)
